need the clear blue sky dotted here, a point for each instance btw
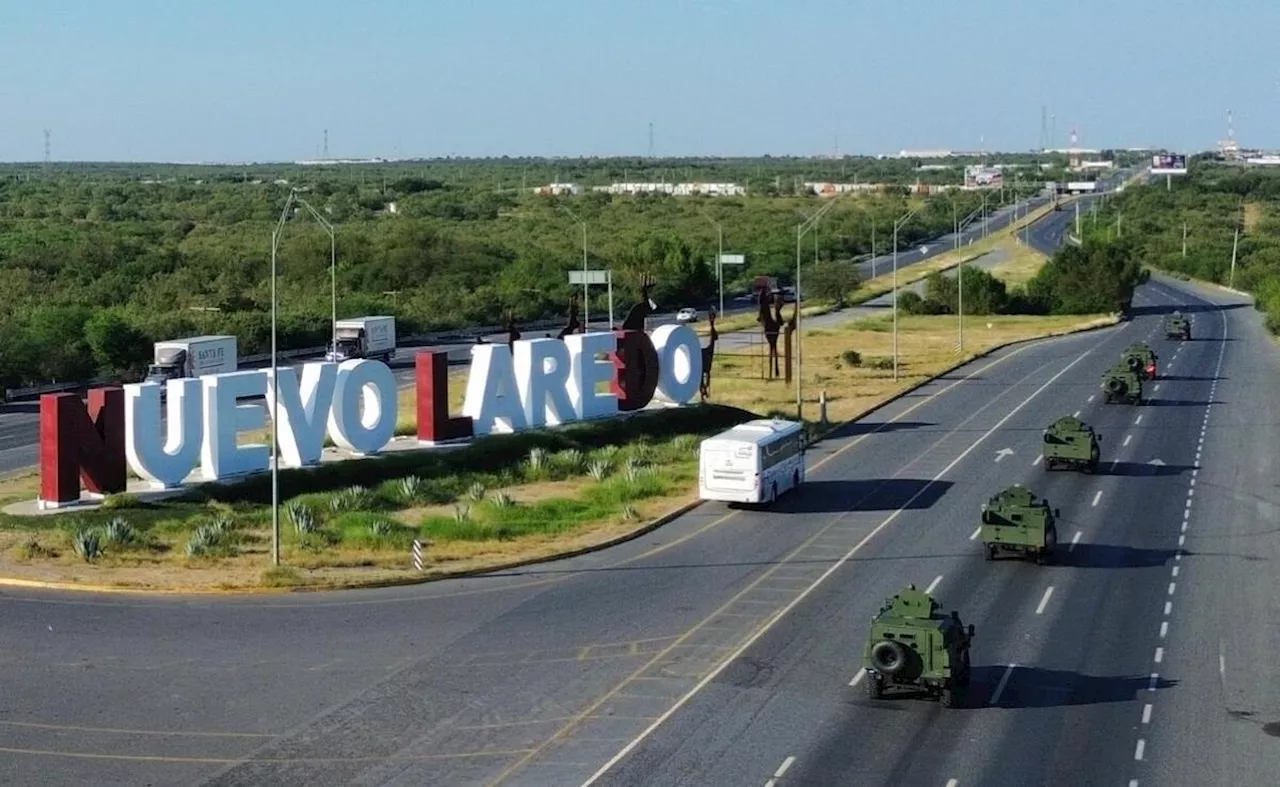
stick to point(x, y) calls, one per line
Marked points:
point(260, 80)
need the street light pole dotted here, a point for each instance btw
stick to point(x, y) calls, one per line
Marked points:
point(586, 311)
point(275, 388)
point(801, 229)
point(333, 269)
point(896, 225)
point(719, 258)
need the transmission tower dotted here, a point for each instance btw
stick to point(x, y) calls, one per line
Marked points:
point(1044, 127)
point(650, 139)
point(48, 148)
point(326, 144)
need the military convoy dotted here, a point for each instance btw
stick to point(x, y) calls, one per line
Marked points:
point(1122, 383)
point(1071, 443)
point(1177, 327)
point(912, 645)
point(1015, 520)
point(1141, 359)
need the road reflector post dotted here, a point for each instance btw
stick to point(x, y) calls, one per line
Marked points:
point(417, 554)
point(822, 407)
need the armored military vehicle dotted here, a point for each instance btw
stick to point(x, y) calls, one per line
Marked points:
point(1017, 521)
point(1122, 384)
point(1141, 359)
point(1177, 327)
point(913, 645)
point(1071, 443)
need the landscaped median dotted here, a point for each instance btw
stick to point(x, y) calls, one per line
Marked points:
point(499, 501)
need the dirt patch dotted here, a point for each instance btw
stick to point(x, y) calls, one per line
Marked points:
point(1020, 265)
point(1253, 213)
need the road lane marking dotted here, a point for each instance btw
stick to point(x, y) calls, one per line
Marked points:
point(1175, 571)
point(712, 674)
point(1182, 540)
point(1127, 438)
point(1036, 461)
point(1044, 601)
point(1172, 585)
point(1222, 665)
point(1137, 420)
point(1157, 388)
point(952, 782)
point(933, 585)
point(1159, 655)
point(1076, 414)
point(977, 531)
point(1091, 397)
point(1146, 714)
point(1151, 682)
point(1074, 540)
point(1164, 629)
point(1168, 607)
point(1004, 681)
point(1139, 749)
point(1097, 497)
point(858, 678)
point(783, 767)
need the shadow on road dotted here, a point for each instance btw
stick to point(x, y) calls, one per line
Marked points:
point(1176, 403)
point(32, 407)
point(883, 427)
point(1114, 556)
point(1034, 687)
point(1131, 469)
point(1189, 379)
point(878, 494)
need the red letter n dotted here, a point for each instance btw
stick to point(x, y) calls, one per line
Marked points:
point(76, 443)
point(434, 423)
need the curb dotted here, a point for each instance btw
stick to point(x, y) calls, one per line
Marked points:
point(641, 530)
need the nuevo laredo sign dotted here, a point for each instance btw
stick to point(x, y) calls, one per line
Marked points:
point(532, 383)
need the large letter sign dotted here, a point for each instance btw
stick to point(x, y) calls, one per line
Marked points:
point(304, 411)
point(77, 443)
point(225, 418)
point(493, 396)
point(163, 459)
point(587, 374)
point(375, 385)
point(434, 423)
point(636, 365)
point(679, 363)
point(542, 370)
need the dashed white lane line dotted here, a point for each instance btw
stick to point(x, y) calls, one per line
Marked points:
point(1074, 540)
point(783, 767)
point(1159, 655)
point(1164, 629)
point(1222, 665)
point(1152, 681)
point(952, 782)
point(1091, 397)
point(1036, 461)
point(1133, 783)
point(1175, 571)
point(1004, 681)
point(933, 584)
point(1168, 607)
point(1127, 438)
point(1139, 749)
point(1157, 388)
point(1172, 586)
point(974, 535)
point(1097, 496)
point(1076, 414)
point(1137, 420)
point(1044, 601)
point(1146, 714)
point(1182, 540)
point(858, 678)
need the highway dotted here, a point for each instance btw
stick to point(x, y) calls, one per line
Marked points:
point(19, 421)
point(720, 647)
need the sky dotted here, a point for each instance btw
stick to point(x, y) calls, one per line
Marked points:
point(261, 80)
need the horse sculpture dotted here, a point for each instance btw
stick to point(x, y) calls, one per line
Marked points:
point(771, 321)
point(574, 324)
point(635, 317)
point(708, 354)
point(513, 333)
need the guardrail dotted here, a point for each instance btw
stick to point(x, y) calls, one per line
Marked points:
point(408, 342)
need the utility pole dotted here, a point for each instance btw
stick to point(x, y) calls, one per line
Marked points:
point(801, 229)
point(1184, 240)
point(896, 225)
point(1235, 244)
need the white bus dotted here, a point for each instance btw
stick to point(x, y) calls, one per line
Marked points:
point(753, 462)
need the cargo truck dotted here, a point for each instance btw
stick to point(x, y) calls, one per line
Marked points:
point(373, 338)
point(193, 357)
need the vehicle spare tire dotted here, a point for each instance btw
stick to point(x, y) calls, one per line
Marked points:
point(888, 657)
point(1115, 385)
point(1133, 362)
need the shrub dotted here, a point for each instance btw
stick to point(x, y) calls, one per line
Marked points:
point(303, 518)
point(87, 545)
point(119, 531)
point(851, 357)
point(476, 492)
point(598, 469)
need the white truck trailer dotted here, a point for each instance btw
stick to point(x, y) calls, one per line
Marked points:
point(193, 357)
point(364, 337)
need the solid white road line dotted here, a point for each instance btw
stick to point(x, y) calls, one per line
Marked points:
point(834, 567)
point(1004, 681)
point(933, 584)
point(1044, 601)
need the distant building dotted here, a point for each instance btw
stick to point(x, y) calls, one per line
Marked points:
point(925, 154)
point(825, 189)
point(558, 189)
point(676, 189)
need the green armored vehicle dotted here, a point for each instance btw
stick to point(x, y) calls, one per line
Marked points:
point(1121, 383)
point(1070, 442)
point(1177, 327)
point(1141, 359)
point(913, 645)
point(1017, 521)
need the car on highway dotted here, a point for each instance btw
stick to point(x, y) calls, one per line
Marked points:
point(753, 462)
point(1145, 358)
point(1071, 443)
point(1177, 327)
point(687, 315)
point(913, 645)
point(1122, 383)
point(1015, 520)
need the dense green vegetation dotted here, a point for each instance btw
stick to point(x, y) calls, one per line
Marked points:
point(1209, 205)
point(98, 261)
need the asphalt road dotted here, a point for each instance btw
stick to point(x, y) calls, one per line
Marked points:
point(20, 421)
point(541, 676)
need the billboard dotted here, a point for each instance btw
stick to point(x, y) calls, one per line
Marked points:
point(977, 176)
point(1169, 164)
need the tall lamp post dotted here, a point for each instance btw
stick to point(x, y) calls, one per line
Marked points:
point(896, 225)
point(586, 312)
point(801, 229)
point(719, 258)
point(289, 209)
point(333, 269)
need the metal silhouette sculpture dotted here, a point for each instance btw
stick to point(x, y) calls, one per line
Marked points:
point(574, 324)
point(513, 333)
point(771, 321)
point(635, 317)
point(708, 354)
point(786, 340)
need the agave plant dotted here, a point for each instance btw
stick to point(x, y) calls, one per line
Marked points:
point(87, 545)
point(476, 492)
point(303, 518)
point(537, 459)
point(598, 469)
point(633, 469)
point(119, 531)
point(380, 528)
point(629, 513)
point(461, 513)
point(410, 487)
point(571, 460)
point(502, 500)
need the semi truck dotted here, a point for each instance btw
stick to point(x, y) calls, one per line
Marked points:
point(364, 337)
point(193, 357)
